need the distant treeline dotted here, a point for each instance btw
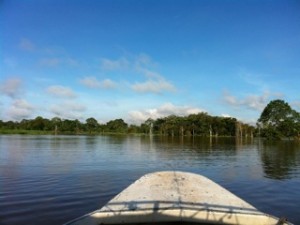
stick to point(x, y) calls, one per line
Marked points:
point(278, 120)
point(200, 124)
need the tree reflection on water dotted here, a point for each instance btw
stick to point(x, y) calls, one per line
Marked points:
point(280, 159)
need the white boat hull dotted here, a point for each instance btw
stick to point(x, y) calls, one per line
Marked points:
point(173, 196)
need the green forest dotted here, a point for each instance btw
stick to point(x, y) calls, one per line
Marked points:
point(278, 120)
point(200, 124)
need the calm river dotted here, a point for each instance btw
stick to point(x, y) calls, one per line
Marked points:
point(53, 179)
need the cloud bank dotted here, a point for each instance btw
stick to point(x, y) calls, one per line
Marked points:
point(142, 65)
point(156, 86)
point(61, 91)
point(254, 102)
point(118, 64)
point(20, 109)
point(11, 87)
point(93, 82)
point(68, 110)
point(139, 116)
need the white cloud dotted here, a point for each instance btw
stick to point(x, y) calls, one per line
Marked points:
point(225, 115)
point(143, 61)
point(255, 102)
point(68, 110)
point(296, 105)
point(27, 45)
point(93, 82)
point(141, 64)
point(230, 99)
point(164, 110)
point(61, 91)
point(133, 63)
point(74, 106)
point(107, 83)
point(153, 86)
point(20, 109)
point(155, 82)
point(119, 64)
point(90, 82)
point(169, 108)
point(149, 73)
point(11, 87)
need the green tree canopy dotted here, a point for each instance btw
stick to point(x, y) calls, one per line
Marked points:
point(278, 120)
point(91, 124)
point(117, 125)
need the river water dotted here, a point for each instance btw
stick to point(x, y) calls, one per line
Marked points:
point(53, 179)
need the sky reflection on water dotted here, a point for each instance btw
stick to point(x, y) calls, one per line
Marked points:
point(52, 179)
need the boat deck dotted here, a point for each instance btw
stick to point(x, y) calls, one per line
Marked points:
point(172, 196)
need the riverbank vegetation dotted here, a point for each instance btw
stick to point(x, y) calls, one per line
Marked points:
point(277, 120)
point(200, 124)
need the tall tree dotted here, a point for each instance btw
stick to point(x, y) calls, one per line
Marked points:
point(117, 125)
point(278, 120)
point(38, 123)
point(91, 124)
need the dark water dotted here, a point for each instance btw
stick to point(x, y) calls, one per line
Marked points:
point(51, 180)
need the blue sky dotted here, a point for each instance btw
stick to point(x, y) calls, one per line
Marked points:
point(135, 59)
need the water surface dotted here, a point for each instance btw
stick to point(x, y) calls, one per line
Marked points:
point(53, 179)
